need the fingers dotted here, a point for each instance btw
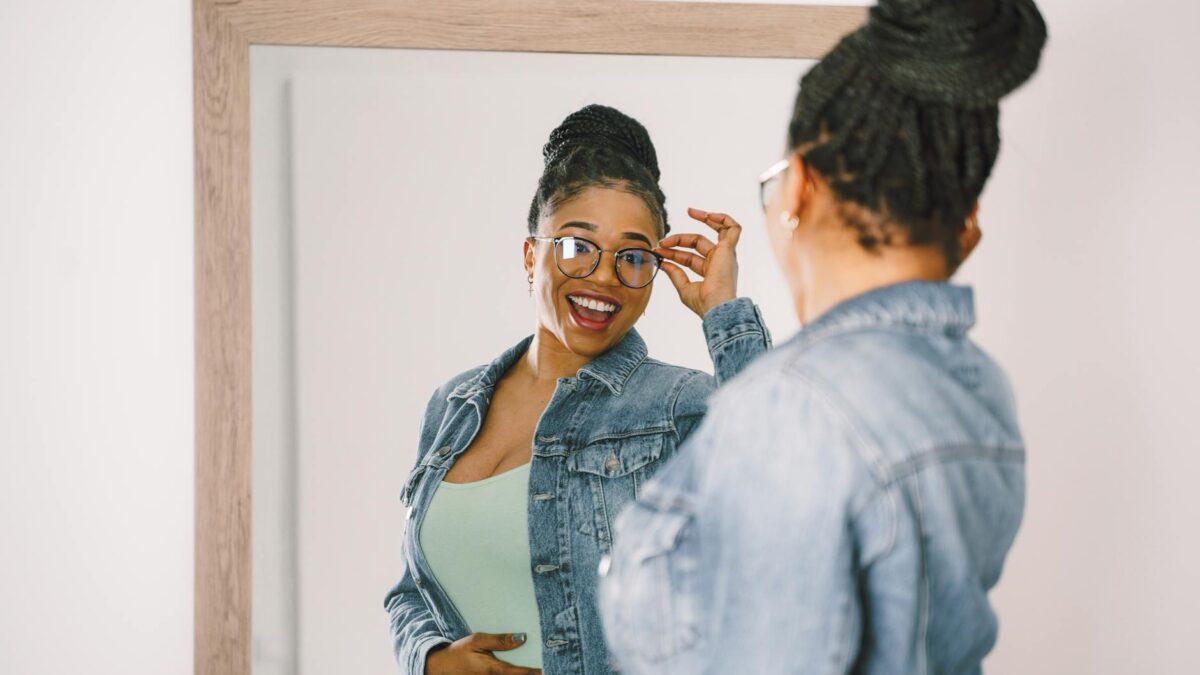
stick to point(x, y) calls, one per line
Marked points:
point(690, 260)
point(495, 642)
point(727, 228)
point(701, 244)
point(679, 278)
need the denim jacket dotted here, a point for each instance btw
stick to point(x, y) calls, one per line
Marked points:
point(601, 436)
point(845, 507)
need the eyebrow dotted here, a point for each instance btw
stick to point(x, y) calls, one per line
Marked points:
point(590, 227)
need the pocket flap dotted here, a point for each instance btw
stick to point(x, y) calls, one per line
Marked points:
point(613, 457)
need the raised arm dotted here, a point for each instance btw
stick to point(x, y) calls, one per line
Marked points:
point(733, 326)
point(736, 335)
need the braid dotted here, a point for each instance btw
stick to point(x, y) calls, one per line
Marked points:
point(902, 117)
point(598, 146)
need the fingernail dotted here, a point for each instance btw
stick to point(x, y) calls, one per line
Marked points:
point(519, 637)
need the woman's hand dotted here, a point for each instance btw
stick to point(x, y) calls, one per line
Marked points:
point(715, 263)
point(472, 655)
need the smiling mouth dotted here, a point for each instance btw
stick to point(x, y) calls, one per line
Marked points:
point(592, 313)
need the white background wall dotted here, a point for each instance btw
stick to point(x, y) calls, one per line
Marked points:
point(1086, 282)
point(96, 423)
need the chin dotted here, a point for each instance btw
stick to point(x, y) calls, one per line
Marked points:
point(591, 344)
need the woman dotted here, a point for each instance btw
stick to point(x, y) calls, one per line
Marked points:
point(522, 462)
point(850, 498)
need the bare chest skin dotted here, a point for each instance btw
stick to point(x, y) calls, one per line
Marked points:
point(505, 441)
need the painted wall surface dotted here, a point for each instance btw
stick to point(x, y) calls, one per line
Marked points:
point(1085, 282)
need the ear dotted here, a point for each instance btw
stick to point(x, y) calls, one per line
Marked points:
point(969, 238)
point(528, 250)
point(798, 186)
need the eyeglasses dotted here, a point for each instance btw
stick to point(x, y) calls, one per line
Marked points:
point(768, 182)
point(577, 258)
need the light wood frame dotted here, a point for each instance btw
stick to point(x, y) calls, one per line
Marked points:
point(223, 31)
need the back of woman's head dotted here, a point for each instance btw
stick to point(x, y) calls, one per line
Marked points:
point(902, 117)
point(598, 146)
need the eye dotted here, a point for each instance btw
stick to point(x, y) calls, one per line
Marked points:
point(636, 257)
point(578, 246)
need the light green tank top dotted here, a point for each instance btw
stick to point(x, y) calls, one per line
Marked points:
point(476, 539)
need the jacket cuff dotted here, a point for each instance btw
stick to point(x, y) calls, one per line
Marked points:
point(732, 319)
point(420, 652)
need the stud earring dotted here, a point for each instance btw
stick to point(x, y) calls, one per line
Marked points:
point(789, 222)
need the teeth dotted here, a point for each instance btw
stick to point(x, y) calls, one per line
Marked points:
point(592, 303)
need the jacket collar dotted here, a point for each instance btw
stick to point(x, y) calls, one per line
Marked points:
point(926, 306)
point(615, 366)
point(612, 368)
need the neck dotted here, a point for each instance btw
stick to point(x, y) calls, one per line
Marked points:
point(547, 359)
point(830, 275)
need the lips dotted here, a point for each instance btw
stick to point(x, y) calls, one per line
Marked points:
point(592, 310)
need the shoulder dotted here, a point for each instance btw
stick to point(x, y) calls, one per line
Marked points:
point(775, 437)
point(460, 380)
point(776, 414)
point(438, 406)
point(772, 387)
point(903, 395)
point(685, 390)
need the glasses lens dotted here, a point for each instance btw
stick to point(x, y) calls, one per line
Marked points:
point(576, 257)
point(636, 267)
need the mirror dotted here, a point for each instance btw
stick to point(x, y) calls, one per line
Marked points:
point(390, 192)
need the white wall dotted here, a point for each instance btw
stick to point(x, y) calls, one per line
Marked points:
point(1086, 283)
point(96, 464)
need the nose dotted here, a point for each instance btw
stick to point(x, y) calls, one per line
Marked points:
point(606, 270)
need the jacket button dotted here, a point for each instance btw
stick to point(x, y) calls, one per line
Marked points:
point(612, 464)
point(443, 451)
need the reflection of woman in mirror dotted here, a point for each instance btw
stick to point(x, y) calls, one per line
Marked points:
point(522, 463)
point(850, 499)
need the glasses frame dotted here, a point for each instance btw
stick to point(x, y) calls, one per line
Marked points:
point(771, 174)
point(596, 265)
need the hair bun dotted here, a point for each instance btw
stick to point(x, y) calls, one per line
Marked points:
point(966, 53)
point(600, 126)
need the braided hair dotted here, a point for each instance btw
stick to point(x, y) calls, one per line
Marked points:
point(598, 146)
point(902, 116)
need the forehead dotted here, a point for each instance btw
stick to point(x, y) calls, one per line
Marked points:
point(614, 213)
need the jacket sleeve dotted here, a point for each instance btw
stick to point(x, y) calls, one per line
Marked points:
point(414, 632)
point(413, 628)
point(735, 334)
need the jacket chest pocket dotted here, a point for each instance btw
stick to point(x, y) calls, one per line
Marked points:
point(607, 474)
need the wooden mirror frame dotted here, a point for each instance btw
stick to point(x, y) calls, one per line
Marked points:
point(223, 31)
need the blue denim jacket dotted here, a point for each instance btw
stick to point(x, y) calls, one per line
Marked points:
point(602, 435)
point(844, 508)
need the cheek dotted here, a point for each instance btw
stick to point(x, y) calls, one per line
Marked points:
point(546, 286)
point(638, 305)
